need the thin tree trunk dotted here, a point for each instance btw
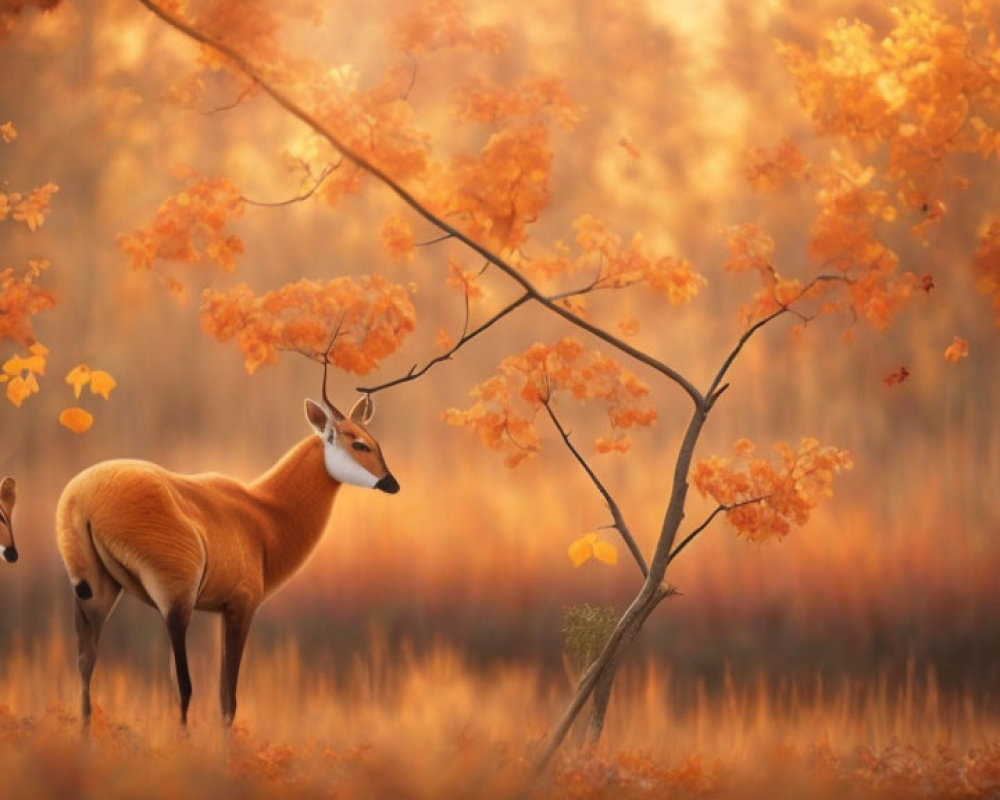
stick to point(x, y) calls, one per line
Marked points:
point(599, 702)
point(602, 671)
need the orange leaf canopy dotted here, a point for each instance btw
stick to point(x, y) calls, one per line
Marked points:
point(372, 314)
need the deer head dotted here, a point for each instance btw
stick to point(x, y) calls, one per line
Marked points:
point(8, 495)
point(351, 453)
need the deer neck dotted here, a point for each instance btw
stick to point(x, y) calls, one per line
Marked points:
point(297, 494)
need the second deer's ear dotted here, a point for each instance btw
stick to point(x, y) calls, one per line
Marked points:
point(317, 416)
point(8, 491)
point(363, 410)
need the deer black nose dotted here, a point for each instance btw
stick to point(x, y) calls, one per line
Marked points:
point(10, 554)
point(388, 484)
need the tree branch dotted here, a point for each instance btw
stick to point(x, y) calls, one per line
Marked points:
point(360, 161)
point(712, 394)
point(435, 240)
point(616, 514)
point(329, 168)
point(230, 106)
point(415, 373)
point(708, 520)
point(749, 332)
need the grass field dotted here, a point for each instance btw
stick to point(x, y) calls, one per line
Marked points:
point(432, 726)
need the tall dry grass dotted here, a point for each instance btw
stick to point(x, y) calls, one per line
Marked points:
point(433, 725)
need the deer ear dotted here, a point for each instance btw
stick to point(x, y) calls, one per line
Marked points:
point(317, 416)
point(8, 491)
point(363, 410)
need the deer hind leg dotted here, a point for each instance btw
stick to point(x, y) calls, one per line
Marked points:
point(235, 627)
point(93, 606)
point(178, 618)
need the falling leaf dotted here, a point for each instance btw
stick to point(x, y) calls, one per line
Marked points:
point(101, 383)
point(17, 390)
point(896, 377)
point(957, 350)
point(582, 549)
point(76, 419)
point(626, 144)
point(78, 377)
point(606, 552)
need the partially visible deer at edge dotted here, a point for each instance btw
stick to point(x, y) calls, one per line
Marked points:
point(8, 495)
point(206, 542)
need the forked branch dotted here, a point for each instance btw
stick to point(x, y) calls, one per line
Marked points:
point(467, 335)
point(616, 514)
point(708, 521)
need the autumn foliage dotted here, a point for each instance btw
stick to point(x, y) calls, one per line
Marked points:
point(370, 317)
point(763, 499)
point(463, 158)
point(507, 404)
point(22, 298)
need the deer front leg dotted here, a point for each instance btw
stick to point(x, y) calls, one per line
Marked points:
point(235, 627)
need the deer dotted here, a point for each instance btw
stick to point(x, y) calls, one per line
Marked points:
point(8, 496)
point(206, 542)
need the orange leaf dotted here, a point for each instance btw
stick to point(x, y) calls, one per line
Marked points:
point(17, 390)
point(76, 419)
point(606, 552)
point(101, 383)
point(78, 377)
point(582, 549)
point(957, 350)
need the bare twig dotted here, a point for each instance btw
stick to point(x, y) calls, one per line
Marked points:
point(714, 391)
point(415, 372)
point(435, 240)
point(230, 106)
point(708, 520)
point(413, 77)
point(616, 514)
point(327, 170)
point(242, 63)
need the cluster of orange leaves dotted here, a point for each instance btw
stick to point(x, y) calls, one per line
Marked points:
point(371, 317)
point(507, 404)
point(31, 209)
point(765, 499)
point(919, 93)
point(21, 374)
point(20, 299)
point(609, 263)
point(191, 228)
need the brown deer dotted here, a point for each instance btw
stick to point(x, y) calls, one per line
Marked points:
point(8, 495)
point(206, 542)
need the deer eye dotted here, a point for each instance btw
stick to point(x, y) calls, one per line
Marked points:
point(361, 447)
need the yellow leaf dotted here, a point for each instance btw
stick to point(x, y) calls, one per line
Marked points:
point(31, 382)
point(38, 349)
point(606, 552)
point(78, 378)
point(17, 390)
point(76, 419)
point(102, 383)
point(581, 549)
